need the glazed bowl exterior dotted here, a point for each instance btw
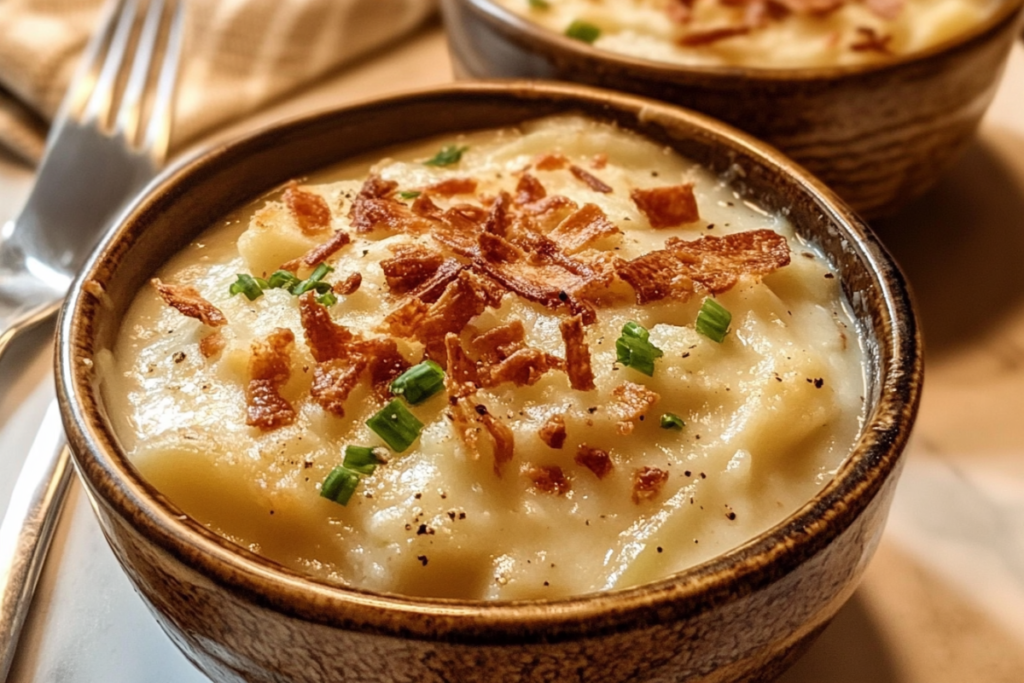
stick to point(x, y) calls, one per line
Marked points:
point(879, 135)
point(239, 617)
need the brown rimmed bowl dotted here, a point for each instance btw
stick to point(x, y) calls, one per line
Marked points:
point(878, 134)
point(742, 616)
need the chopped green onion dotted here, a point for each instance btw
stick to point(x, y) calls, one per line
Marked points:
point(583, 31)
point(313, 281)
point(672, 421)
point(540, 4)
point(419, 382)
point(327, 298)
point(713, 320)
point(409, 194)
point(283, 279)
point(634, 349)
point(450, 154)
point(396, 425)
point(361, 459)
point(247, 285)
point(339, 485)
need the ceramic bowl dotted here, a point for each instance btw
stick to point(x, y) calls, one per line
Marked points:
point(238, 617)
point(879, 134)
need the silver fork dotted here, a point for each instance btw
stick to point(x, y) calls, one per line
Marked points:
point(106, 143)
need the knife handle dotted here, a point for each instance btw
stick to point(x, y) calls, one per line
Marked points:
point(28, 527)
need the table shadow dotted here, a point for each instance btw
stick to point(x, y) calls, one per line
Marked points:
point(25, 351)
point(961, 245)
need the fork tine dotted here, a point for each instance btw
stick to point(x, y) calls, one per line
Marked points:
point(158, 132)
point(130, 109)
point(97, 109)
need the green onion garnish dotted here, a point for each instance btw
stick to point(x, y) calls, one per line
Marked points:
point(633, 349)
point(450, 154)
point(313, 281)
point(583, 30)
point(672, 421)
point(283, 279)
point(713, 320)
point(247, 285)
point(327, 298)
point(540, 4)
point(396, 425)
point(419, 382)
point(409, 194)
point(339, 485)
point(361, 459)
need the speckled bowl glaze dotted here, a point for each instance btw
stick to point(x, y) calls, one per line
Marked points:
point(879, 135)
point(741, 617)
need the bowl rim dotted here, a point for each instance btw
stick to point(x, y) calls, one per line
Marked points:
point(508, 20)
point(116, 485)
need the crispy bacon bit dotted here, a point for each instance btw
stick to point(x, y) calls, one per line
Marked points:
point(647, 483)
point(872, 41)
point(577, 354)
point(710, 36)
point(497, 217)
point(387, 364)
point(424, 207)
point(411, 266)
point(269, 370)
point(579, 230)
point(595, 460)
point(679, 11)
point(529, 189)
point(550, 162)
point(716, 263)
point(333, 381)
point(404, 320)
point(375, 206)
point(462, 371)
point(212, 344)
point(449, 187)
point(463, 299)
point(667, 207)
point(431, 290)
point(592, 181)
point(553, 431)
point(632, 401)
point(499, 343)
point(458, 231)
point(187, 300)
point(349, 285)
point(523, 368)
point(326, 339)
point(811, 7)
point(319, 253)
point(549, 479)
point(309, 209)
point(504, 439)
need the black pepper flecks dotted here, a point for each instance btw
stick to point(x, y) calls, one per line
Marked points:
point(178, 357)
point(423, 559)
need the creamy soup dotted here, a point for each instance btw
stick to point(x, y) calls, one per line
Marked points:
point(759, 33)
point(527, 363)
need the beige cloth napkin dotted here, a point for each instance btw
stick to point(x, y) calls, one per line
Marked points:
point(238, 55)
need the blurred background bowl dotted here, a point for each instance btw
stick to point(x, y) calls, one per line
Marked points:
point(879, 134)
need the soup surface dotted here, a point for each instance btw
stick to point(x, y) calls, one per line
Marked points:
point(759, 33)
point(632, 369)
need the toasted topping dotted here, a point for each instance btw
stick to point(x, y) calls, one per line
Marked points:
point(452, 186)
point(553, 431)
point(326, 339)
point(647, 483)
point(592, 181)
point(577, 354)
point(212, 344)
point(463, 299)
point(871, 40)
point(523, 368)
point(404, 320)
point(550, 162)
point(709, 36)
point(504, 439)
point(500, 342)
point(375, 207)
point(462, 371)
point(497, 217)
point(319, 253)
point(269, 370)
point(334, 380)
point(632, 401)
point(886, 9)
point(547, 213)
point(599, 161)
point(187, 300)
point(431, 290)
point(549, 479)
point(595, 460)
point(579, 230)
point(667, 207)
point(386, 364)
point(465, 421)
point(350, 285)
point(529, 189)
point(310, 210)
point(411, 266)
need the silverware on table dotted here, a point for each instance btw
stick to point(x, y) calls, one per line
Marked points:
point(107, 142)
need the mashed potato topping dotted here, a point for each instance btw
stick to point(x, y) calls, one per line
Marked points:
point(759, 33)
point(524, 363)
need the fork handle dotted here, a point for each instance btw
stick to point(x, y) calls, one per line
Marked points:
point(28, 528)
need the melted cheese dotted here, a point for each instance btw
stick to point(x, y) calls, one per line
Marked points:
point(770, 413)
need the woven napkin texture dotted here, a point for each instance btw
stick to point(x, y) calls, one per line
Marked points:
point(238, 55)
